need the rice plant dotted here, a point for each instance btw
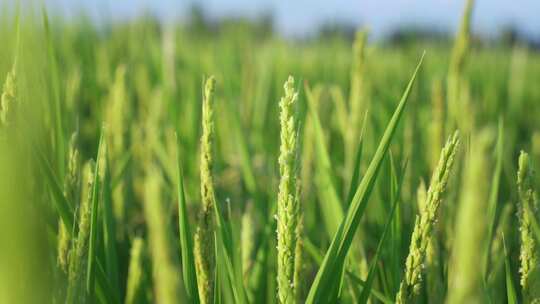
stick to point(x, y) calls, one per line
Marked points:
point(465, 282)
point(127, 180)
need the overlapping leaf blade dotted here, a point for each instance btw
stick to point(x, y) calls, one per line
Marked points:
point(334, 259)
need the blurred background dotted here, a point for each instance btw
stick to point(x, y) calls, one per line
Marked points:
point(387, 19)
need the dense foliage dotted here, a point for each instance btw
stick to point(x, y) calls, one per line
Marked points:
point(148, 163)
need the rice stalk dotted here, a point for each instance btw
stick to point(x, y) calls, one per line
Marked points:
point(205, 235)
point(437, 129)
point(135, 271)
point(423, 228)
point(331, 206)
point(247, 240)
point(287, 201)
point(117, 124)
point(165, 268)
point(528, 212)
point(466, 277)
point(357, 97)
point(458, 58)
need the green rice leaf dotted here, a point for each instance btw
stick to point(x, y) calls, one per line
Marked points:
point(313, 251)
point(333, 262)
point(510, 288)
point(55, 84)
point(62, 206)
point(364, 297)
point(124, 161)
point(94, 211)
point(243, 150)
point(186, 241)
point(109, 226)
point(494, 194)
point(328, 197)
point(356, 170)
point(226, 250)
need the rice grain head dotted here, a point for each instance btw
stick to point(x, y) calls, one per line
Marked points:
point(288, 204)
point(528, 212)
point(357, 97)
point(457, 64)
point(204, 241)
point(357, 79)
point(9, 99)
point(437, 129)
point(71, 189)
point(434, 281)
point(423, 228)
point(117, 117)
point(299, 260)
point(63, 246)
point(77, 259)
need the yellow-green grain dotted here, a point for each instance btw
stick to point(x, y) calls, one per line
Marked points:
point(458, 58)
point(423, 228)
point(9, 99)
point(528, 212)
point(288, 204)
point(205, 235)
point(77, 259)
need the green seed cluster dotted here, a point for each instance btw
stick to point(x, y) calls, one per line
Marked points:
point(71, 187)
point(146, 222)
point(9, 99)
point(288, 204)
point(528, 212)
point(454, 82)
point(204, 236)
point(422, 233)
point(77, 259)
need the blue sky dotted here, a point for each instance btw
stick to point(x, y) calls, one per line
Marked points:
point(298, 17)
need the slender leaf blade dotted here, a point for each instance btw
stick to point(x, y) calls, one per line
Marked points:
point(92, 250)
point(109, 225)
point(372, 269)
point(186, 241)
point(328, 197)
point(335, 256)
point(510, 288)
